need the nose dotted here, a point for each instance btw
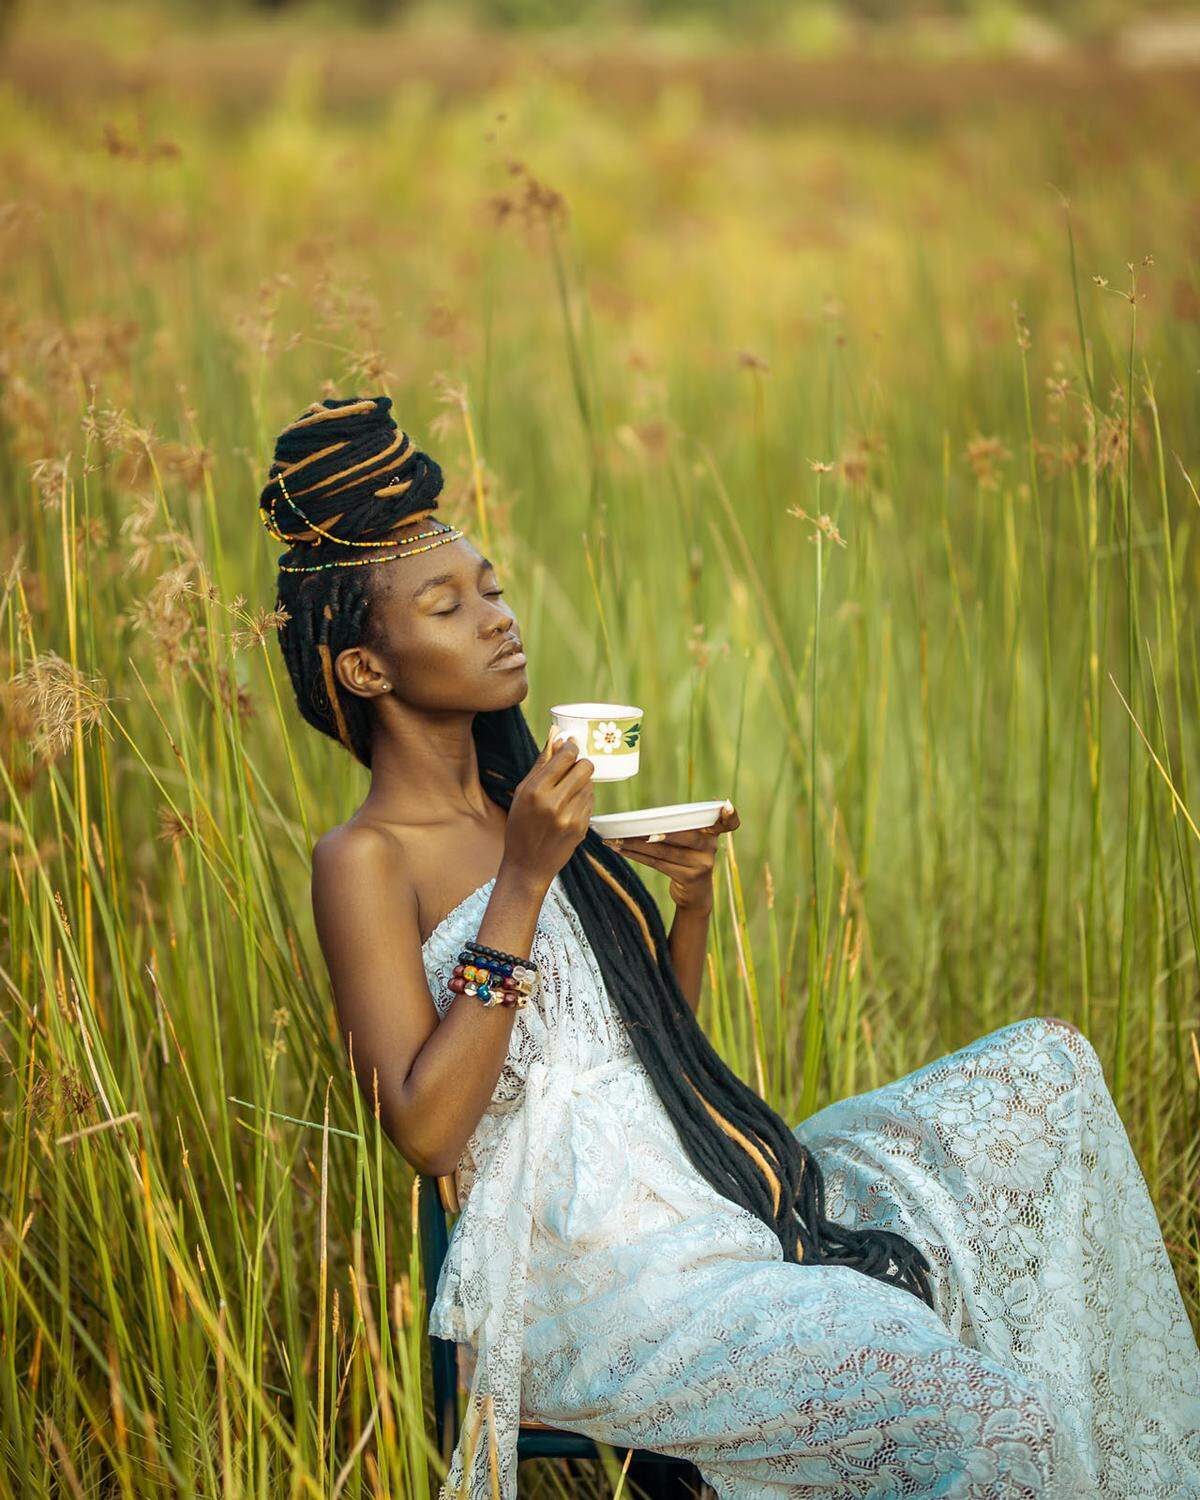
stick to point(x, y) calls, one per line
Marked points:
point(505, 620)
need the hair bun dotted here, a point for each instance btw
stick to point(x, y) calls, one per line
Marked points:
point(344, 467)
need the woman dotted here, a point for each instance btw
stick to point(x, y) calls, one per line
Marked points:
point(953, 1285)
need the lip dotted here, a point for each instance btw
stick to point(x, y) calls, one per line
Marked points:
point(511, 659)
point(508, 654)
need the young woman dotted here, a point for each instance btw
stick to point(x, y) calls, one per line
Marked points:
point(954, 1285)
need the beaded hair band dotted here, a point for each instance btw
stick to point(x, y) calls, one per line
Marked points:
point(388, 457)
point(443, 535)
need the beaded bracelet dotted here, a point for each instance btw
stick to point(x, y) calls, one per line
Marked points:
point(500, 979)
point(487, 986)
point(498, 954)
point(519, 978)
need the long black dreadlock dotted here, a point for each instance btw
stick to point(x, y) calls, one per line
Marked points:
point(333, 467)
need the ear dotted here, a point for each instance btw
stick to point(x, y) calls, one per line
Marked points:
point(358, 671)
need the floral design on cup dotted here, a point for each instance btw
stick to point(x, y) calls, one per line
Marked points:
point(608, 736)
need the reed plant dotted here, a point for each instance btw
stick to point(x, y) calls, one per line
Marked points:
point(872, 478)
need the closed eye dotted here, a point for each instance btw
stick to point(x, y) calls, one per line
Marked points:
point(491, 593)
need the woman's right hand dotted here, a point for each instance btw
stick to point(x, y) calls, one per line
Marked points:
point(551, 809)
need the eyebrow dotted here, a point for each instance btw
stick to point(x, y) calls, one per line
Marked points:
point(432, 583)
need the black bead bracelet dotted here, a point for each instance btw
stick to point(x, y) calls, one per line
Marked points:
point(499, 955)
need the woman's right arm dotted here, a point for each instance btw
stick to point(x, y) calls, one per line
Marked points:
point(436, 1076)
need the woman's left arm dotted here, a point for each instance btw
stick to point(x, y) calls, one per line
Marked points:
point(689, 859)
point(688, 942)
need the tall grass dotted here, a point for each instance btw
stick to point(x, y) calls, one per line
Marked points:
point(748, 421)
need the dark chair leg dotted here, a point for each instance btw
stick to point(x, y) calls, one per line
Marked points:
point(666, 1479)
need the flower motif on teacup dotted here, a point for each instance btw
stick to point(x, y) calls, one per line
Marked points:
point(607, 737)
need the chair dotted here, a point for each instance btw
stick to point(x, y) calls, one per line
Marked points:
point(656, 1474)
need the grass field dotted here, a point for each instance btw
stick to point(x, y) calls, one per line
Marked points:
point(843, 416)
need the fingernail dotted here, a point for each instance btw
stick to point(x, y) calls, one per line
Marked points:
point(656, 838)
point(728, 805)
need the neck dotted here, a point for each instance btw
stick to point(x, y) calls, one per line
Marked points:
point(424, 768)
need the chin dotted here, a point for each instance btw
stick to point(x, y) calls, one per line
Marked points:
point(516, 689)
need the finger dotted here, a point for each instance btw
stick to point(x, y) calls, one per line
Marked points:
point(682, 843)
point(580, 803)
point(554, 739)
point(578, 777)
point(579, 780)
point(684, 838)
point(690, 838)
point(681, 869)
point(726, 820)
point(692, 854)
point(562, 757)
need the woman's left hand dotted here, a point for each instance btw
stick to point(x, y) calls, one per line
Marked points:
point(687, 857)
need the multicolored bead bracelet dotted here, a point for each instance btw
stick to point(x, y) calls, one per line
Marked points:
point(495, 977)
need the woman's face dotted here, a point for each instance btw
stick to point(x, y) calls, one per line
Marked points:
point(438, 620)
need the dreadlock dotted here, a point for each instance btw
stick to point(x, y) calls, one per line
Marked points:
point(333, 465)
point(332, 459)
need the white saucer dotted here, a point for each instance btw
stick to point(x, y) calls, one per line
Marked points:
point(673, 818)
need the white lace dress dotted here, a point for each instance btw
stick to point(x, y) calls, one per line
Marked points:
point(606, 1288)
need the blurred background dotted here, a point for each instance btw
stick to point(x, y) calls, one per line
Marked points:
point(823, 377)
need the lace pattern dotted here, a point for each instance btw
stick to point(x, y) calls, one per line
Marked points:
point(603, 1286)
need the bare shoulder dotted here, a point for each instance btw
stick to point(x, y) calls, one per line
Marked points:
point(352, 847)
point(359, 862)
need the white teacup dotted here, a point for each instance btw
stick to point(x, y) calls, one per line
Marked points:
point(608, 734)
